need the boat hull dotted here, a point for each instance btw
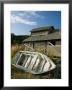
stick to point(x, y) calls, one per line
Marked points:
point(33, 62)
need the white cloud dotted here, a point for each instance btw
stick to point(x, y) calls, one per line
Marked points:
point(18, 19)
point(34, 13)
point(29, 14)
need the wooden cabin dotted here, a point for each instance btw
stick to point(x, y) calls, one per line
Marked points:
point(41, 38)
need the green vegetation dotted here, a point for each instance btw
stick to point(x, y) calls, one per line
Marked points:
point(17, 38)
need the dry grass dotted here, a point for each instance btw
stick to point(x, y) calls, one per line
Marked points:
point(53, 52)
point(15, 49)
point(50, 51)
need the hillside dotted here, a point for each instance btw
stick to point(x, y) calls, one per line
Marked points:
point(17, 38)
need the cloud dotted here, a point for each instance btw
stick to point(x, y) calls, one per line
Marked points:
point(34, 13)
point(18, 19)
point(29, 14)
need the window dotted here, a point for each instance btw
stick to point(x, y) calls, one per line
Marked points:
point(53, 42)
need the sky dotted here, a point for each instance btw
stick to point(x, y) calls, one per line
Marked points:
point(22, 22)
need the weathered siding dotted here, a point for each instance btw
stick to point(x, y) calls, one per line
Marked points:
point(30, 44)
point(44, 47)
point(39, 44)
point(42, 44)
point(58, 48)
point(40, 33)
point(58, 42)
point(54, 51)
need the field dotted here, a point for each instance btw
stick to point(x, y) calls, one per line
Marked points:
point(19, 74)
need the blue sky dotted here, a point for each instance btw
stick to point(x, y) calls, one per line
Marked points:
point(22, 22)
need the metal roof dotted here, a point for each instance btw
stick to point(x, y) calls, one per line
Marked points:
point(46, 28)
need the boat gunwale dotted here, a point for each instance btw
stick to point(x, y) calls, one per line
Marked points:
point(26, 69)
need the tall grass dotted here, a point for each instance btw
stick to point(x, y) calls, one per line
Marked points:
point(16, 48)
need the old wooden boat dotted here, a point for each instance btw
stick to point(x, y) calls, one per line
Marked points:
point(33, 62)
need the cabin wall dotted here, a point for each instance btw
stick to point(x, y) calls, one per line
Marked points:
point(40, 33)
point(44, 47)
point(58, 42)
point(42, 44)
point(39, 44)
point(30, 44)
point(53, 50)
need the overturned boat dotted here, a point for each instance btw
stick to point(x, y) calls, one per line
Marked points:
point(33, 62)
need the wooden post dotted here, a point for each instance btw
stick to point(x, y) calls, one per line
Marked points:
point(33, 45)
point(45, 47)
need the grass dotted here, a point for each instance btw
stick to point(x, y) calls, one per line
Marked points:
point(20, 74)
point(15, 49)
